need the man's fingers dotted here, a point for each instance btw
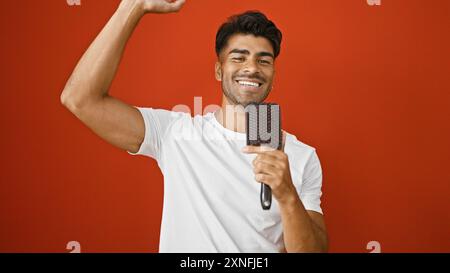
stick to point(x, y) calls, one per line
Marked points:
point(266, 158)
point(164, 6)
point(265, 168)
point(263, 150)
point(176, 4)
point(257, 149)
point(264, 178)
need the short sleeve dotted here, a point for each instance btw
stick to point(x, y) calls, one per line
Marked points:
point(311, 190)
point(156, 122)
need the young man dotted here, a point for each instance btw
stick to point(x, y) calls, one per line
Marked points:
point(211, 180)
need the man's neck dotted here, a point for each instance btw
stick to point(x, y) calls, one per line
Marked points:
point(231, 117)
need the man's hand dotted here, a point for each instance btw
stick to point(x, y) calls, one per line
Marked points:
point(271, 167)
point(159, 6)
point(303, 231)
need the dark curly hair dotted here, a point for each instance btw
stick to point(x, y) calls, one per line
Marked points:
point(250, 22)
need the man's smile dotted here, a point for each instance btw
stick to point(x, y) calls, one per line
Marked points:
point(249, 84)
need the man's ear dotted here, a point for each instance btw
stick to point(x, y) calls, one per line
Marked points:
point(218, 70)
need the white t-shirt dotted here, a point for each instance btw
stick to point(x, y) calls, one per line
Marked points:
point(211, 198)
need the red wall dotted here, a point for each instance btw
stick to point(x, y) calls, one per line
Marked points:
point(368, 86)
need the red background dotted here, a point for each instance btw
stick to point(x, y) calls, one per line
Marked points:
point(368, 86)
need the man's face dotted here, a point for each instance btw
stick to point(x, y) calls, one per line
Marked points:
point(246, 69)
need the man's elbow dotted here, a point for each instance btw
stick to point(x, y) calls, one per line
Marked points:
point(74, 102)
point(68, 101)
point(324, 248)
point(311, 246)
point(323, 244)
point(317, 249)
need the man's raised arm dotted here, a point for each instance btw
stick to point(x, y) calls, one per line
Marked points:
point(86, 92)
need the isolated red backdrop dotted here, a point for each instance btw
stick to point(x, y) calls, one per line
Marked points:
point(368, 86)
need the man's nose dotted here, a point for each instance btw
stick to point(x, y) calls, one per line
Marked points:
point(251, 67)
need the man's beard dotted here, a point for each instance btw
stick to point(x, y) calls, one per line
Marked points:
point(236, 101)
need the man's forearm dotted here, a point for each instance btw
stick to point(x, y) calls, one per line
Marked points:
point(95, 71)
point(301, 234)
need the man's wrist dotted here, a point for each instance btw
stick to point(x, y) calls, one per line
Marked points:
point(289, 200)
point(134, 6)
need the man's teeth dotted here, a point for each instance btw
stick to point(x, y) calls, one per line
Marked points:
point(245, 83)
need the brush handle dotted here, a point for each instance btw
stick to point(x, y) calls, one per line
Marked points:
point(266, 196)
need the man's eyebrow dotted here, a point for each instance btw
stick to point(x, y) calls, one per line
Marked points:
point(262, 54)
point(246, 52)
point(239, 51)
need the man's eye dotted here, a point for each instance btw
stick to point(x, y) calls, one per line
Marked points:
point(264, 61)
point(239, 59)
